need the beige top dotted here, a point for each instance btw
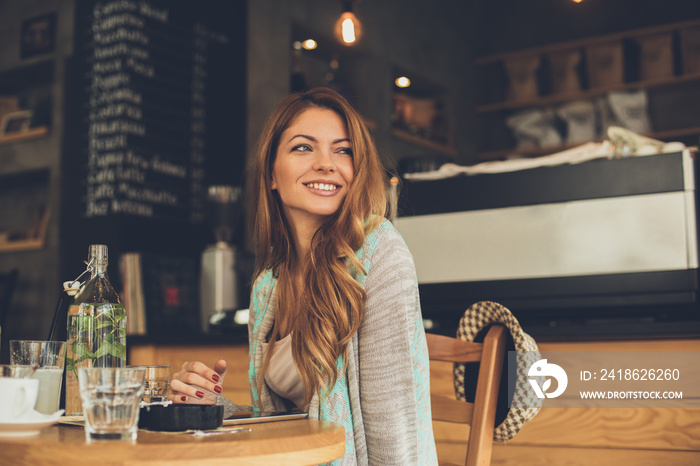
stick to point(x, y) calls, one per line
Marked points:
point(282, 375)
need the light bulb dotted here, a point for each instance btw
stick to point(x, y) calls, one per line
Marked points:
point(403, 81)
point(309, 44)
point(348, 29)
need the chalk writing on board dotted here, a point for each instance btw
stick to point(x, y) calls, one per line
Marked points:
point(145, 68)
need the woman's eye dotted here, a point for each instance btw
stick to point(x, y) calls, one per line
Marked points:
point(301, 148)
point(346, 151)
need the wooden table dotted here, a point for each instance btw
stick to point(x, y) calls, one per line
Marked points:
point(294, 442)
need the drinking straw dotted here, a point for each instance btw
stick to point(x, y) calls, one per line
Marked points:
point(63, 302)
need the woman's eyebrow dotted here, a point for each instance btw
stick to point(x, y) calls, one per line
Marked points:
point(310, 138)
point(313, 139)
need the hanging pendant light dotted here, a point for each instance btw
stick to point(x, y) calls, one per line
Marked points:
point(348, 29)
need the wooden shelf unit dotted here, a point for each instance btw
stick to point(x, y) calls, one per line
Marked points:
point(22, 136)
point(14, 83)
point(496, 112)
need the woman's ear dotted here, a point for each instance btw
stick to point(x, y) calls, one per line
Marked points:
point(273, 183)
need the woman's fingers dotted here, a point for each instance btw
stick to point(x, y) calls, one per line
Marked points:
point(195, 391)
point(197, 383)
point(178, 398)
point(210, 375)
point(220, 369)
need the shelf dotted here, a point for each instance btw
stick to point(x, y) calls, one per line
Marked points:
point(674, 133)
point(425, 143)
point(537, 151)
point(31, 239)
point(28, 135)
point(584, 94)
point(584, 42)
point(21, 245)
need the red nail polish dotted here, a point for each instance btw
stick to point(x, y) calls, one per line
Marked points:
point(183, 398)
point(215, 377)
point(218, 389)
point(200, 394)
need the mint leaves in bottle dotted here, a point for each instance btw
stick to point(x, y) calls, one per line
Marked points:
point(96, 327)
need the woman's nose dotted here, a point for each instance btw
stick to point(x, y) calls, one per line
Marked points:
point(324, 161)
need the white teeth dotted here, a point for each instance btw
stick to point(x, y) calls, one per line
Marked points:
point(322, 186)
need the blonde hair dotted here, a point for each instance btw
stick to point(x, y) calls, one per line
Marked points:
point(330, 306)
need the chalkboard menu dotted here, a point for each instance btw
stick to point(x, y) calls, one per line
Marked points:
point(155, 114)
point(157, 79)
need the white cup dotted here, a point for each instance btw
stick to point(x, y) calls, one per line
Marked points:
point(49, 358)
point(17, 398)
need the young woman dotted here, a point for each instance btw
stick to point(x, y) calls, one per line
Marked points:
point(335, 325)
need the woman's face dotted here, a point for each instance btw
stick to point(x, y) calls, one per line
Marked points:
point(313, 169)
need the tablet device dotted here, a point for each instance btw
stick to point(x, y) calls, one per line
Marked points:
point(248, 417)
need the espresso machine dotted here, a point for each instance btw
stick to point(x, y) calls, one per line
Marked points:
point(219, 284)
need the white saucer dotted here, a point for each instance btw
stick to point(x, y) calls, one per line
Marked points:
point(31, 424)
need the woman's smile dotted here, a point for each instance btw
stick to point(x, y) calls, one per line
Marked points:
point(323, 188)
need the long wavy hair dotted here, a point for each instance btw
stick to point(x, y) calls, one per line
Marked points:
point(328, 310)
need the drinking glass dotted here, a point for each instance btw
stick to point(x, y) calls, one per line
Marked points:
point(50, 359)
point(157, 382)
point(111, 397)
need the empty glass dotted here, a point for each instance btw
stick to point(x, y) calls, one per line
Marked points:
point(111, 397)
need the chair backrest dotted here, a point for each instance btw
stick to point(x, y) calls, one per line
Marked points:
point(481, 414)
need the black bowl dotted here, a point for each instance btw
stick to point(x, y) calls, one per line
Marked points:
point(179, 417)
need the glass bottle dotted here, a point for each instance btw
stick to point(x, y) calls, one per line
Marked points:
point(96, 327)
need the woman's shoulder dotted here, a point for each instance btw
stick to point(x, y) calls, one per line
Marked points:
point(385, 235)
point(384, 244)
point(264, 278)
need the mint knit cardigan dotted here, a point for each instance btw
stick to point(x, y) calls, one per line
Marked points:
point(383, 397)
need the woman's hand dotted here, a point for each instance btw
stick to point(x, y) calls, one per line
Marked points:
point(197, 384)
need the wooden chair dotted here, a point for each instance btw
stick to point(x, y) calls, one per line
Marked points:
point(481, 414)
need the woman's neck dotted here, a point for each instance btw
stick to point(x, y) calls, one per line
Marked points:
point(303, 233)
